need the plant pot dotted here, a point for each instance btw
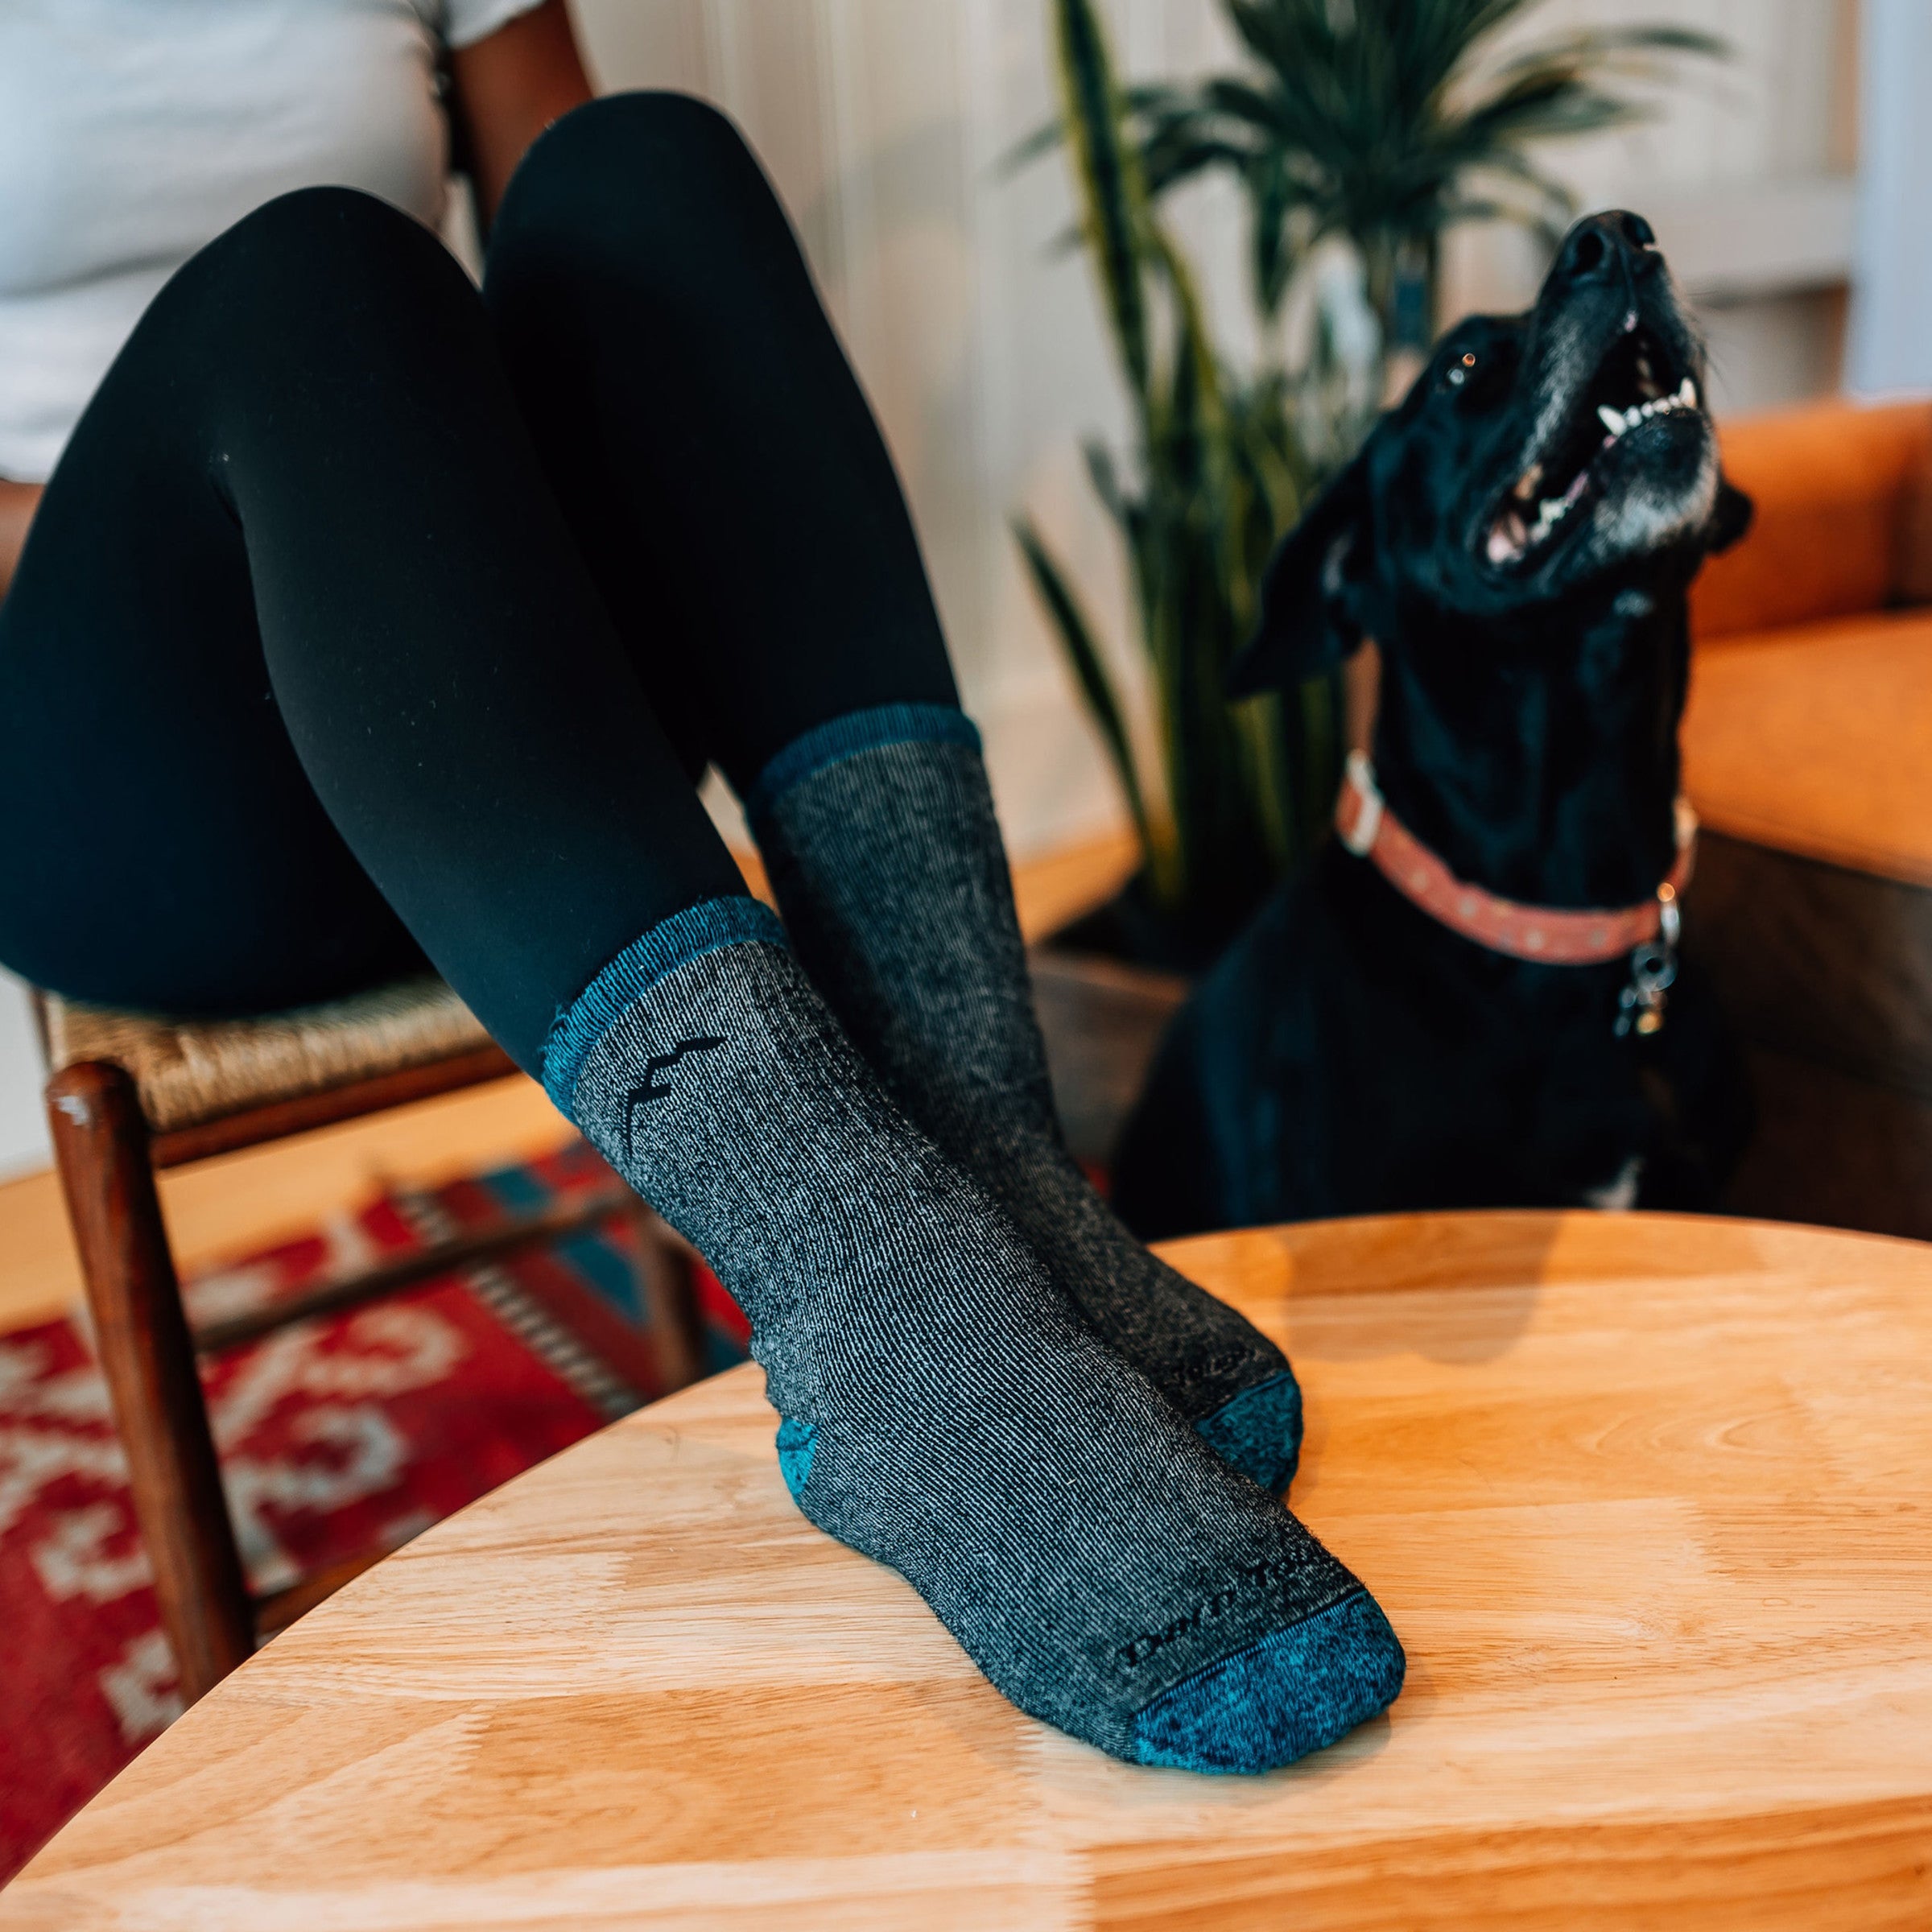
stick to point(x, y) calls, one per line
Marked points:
point(1102, 1021)
point(1133, 928)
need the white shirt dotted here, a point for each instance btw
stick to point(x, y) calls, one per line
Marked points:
point(134, 131)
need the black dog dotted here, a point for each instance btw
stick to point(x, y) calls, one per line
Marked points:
point(1518, 537)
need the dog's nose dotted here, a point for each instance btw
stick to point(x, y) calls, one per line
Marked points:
point(1616, 242)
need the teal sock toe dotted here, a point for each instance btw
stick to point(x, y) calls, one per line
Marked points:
point(1259, 1432)
point(1292, 1693)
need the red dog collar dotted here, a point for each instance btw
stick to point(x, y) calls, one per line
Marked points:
point(1548, 935)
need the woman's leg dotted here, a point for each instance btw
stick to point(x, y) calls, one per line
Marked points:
point(450, 687)
point(705, 432)
point(738, 507)
point(300, 590)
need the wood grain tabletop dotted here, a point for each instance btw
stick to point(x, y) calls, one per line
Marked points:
point(1646, 1497)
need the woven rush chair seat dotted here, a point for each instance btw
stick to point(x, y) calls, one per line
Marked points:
point(188, 1072)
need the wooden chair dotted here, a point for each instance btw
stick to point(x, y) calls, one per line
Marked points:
point(130, 1094)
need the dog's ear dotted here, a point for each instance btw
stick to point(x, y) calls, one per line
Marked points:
point(1312, 592)
point(1730, 517)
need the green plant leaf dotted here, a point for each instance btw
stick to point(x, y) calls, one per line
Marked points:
point(1107, 481)
point(1082, 654)
point(1367, 117)
point(1108, 170)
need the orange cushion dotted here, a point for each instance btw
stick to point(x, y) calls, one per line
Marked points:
point(1835, 486)
point(1819, 741)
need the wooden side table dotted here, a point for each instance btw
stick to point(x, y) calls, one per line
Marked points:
point(1646, 1497)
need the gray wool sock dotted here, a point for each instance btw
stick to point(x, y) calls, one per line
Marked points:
point(944, 1409)
point(879, 836)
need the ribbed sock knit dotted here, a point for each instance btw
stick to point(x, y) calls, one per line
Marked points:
point(879, 836)
point(944, 1409)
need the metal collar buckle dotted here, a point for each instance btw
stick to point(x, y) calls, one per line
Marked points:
point(1652, 972)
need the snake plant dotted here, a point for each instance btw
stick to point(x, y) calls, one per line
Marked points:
point(1384, 122)
point(1217, 475)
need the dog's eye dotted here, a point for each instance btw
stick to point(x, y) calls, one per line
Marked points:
point(1457, 373)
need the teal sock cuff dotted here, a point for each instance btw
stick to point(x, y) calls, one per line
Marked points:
point(706, 928)
point(846, 738)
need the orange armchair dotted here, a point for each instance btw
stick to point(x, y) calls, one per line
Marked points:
point(1808, 754)
point(1840, 492)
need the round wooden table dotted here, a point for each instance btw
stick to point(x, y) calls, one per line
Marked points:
point(1646, 1497)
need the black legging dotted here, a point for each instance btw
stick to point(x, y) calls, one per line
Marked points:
point(364, 614)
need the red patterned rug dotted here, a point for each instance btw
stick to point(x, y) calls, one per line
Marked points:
point(337, 1436)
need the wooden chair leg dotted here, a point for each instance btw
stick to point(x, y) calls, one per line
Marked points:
point(101, 1142)
point(669, 1296)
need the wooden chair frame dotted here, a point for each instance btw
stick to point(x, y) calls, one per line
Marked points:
point(107, 1158)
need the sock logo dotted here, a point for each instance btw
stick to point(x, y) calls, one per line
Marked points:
point(654, 1089)
point(651, 1089)
point(1256, 1575)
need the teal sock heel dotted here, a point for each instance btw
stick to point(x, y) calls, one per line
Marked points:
point(798, 1443)
point(1259, 1432)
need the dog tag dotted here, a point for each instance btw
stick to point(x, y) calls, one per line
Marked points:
point(1653, 970)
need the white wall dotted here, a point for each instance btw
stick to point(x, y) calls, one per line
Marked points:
point(1891, 345)
point(883, 122)
point(23, 1143)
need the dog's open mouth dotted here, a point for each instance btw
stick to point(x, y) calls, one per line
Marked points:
point(1635, 385)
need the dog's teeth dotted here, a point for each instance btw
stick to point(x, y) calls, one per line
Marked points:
point(1612, 419)
point(1508, 536)
point(1526, 483)
point(1687, 393)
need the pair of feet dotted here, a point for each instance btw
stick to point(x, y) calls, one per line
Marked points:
point(1067, 1449)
